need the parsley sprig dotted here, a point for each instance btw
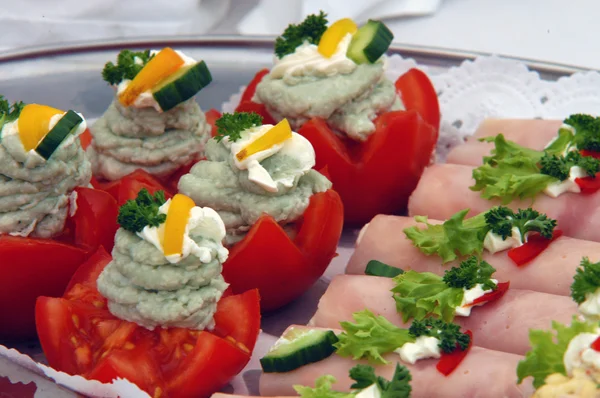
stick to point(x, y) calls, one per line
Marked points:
point(586, 280)
point(502, 220)
point(470, 273)
point(559, 166)
point(126, 67)
point(311, 30)
point(9, 113)
point(449, 334)
point(231, 125)
point(587, 131)
point(134, 215)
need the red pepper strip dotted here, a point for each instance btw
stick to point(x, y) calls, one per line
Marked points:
point(491, 296)
point(596, 344)
point(594, 154)
point(588, 184)
point(449, 362)
point(532, 248)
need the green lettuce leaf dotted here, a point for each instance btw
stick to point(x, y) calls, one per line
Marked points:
point(322, 389)
point(422, 294)
point(399, 387)
point(370, 337)
point(548, 350)
point(456, 236)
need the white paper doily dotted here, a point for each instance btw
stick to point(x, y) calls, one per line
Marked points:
point(492, 86)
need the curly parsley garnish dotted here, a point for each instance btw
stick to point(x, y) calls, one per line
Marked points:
point(502, 220)
point(134, 215)
point(559, 166)
point(126, 67)
point(311, 30)
point(586, 280)
point(587, 131)
point(231, 125)
point(470, 273)
point(449, 334)
point(9, 113)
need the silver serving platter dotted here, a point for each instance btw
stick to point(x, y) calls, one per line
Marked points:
point(68, 77)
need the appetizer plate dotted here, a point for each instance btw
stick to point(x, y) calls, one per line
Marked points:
point(69, 77)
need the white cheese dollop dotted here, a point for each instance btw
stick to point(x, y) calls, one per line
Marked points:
point(494, 242)
point(423, 347)
point(370, 392)
point(203, 221)
point(556, 189)
point(580, 354)
point(591, 306)
point(297, 147)
point(464, 309)
point(146, 99)
point(308, 61)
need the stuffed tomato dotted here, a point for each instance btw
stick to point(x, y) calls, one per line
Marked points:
point(282, 218)
point(154, 125)
point(157, 312)
point(375, 136)
point(49, 220)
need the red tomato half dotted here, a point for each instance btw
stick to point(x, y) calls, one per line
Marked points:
point(379, 175)
point(85, 139)
point(282, 269)
point(80, 336)
point(128, 187)
point(211, 117)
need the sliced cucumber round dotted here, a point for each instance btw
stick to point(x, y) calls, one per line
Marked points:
point(67, 124)
point(182, 85)
point(377, 268)
point(299, 347)
point(370, 42)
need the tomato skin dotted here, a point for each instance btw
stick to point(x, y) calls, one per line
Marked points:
point(211, 117)
point(85, 139)
point(261, 109)
point(282, 269)
point(231, 311)
point(449, 362)
point(596, 344)
point(494, 295)
point(30, 268)
point(418, 94)
point(532, 248)
point(128, 187)
point(251, 89)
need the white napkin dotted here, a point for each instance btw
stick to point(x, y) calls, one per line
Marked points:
point(39, 22)
point(271, 17)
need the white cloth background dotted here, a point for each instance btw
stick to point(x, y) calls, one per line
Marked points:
point(552, 30)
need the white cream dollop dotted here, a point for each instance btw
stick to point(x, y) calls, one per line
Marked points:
point(146, 99)
point(494, 242)
point(203, 221)
point(556, 189)
point(590, 307)
point(580, 354)
point(423, 347)
point(370, 392)
point(297, 147)
point(470, 295)
point(308, 61)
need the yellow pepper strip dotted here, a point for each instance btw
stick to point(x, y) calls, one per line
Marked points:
point(177, 219)
point(33, 123)
point(276, 135)
point(165, 63)
point(334, 35)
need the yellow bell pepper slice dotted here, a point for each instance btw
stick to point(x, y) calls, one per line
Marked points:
point(161, 66)
point(334, 35)
point(33, 123)
point(177, 219)
point(275, 135)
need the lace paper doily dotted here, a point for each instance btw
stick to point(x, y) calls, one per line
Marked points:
point(492, 86)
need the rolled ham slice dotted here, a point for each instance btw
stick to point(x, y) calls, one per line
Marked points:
point(444, 190)
point(551, 271)
point(534, 134)
point(223, 395)
point(502, 325)
point(483, 373)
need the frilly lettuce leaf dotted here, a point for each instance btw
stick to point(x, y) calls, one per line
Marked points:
point(322, 389)
point(548, 350)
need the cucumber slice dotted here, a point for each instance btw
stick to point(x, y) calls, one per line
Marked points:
point(182, 85)
point(299, 347)
point(370, 42)
point(65, 126)
point(377, 268)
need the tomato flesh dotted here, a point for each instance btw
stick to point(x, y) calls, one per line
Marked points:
point(279, 267)
point(128, 187)
point(535, 245)
point(596, 344)
point(450, 361)
point(211, 117)
point(80, 336)
point(501, 288)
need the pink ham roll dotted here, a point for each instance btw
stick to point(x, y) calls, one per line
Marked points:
point(444, 190)
point(502, 325)
point(223, 395)
point(483, 373)
point(534, 134)
point(551, 272)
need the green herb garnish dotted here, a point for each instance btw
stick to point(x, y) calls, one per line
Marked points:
point(9, 113)
point(311, 30)
point(420, 295)
point(586, 280)
point(458, 236)
point(134, 215)
point(548, 350)
point(587, 131)
point(559, 167)
point(364, 376)
point(449, 334)
point(126, 67)
point(231, 125)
